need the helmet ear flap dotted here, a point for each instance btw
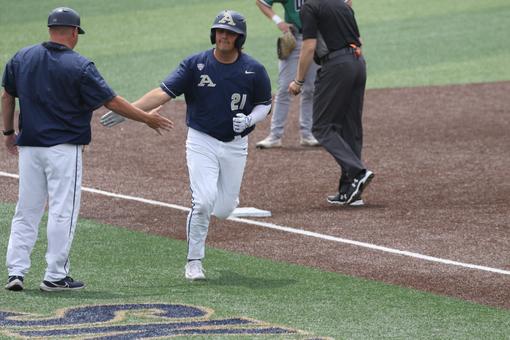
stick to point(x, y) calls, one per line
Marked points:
point(240, 41)
point(213, 36)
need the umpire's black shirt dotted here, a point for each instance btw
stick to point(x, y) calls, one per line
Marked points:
point(335, 21)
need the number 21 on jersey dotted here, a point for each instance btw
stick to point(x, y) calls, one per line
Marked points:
point(238, 101)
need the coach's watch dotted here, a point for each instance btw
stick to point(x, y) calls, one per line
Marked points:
point(8, 132)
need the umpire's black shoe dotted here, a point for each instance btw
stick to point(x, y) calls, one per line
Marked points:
point(340, 199)
point(67, 283)
point(14, 283)
point(359, 184)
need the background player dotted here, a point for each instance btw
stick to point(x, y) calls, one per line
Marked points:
point(57, 89)
point(227, 92)
point(287, 73)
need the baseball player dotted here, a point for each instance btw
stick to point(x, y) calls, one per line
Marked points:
point(286, 73)
point(227, 92)
point(57, 90)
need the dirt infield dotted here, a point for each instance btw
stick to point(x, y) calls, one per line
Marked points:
point(442, 188)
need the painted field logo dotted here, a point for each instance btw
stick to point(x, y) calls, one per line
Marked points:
point(133, 321)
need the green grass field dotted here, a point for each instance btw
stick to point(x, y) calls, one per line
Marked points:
point(124, 266)
point(136, 44)
point(407, 42)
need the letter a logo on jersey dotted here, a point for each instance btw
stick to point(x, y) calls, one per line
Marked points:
point(206, 81)
point(227, 19)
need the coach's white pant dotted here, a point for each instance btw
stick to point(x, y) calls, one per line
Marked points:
point(53, 175)
point(215, 171)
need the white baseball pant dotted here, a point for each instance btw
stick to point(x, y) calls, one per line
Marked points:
point(53, 175)
point(215, 172)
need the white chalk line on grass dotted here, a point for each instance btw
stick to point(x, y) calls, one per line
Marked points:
point(299, 232)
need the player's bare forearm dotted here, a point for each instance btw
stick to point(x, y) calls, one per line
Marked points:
point(267, 10)
point(152, 99)
point(152, 119)
point(124, 108)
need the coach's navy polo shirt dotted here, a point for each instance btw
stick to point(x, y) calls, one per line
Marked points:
point(57, 89)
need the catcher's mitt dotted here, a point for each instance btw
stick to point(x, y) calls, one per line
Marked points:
point(285, 45)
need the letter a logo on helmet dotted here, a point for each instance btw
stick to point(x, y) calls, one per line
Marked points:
point(227, 19)
point(230, 21)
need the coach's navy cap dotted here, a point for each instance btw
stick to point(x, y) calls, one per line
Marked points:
point(65, 16)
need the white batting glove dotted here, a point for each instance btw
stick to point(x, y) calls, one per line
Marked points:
point(110, 119)
point(241, 122)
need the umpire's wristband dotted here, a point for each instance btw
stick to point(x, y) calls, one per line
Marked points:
point(8, 132)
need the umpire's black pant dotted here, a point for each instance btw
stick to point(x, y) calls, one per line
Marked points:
point(337, 111)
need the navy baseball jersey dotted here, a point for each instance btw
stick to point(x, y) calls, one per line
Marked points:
point(57, 89)
point(216, 92)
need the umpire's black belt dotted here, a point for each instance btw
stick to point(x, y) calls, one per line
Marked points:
point(336, 53)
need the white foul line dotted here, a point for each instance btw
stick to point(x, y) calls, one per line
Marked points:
point(298, 231)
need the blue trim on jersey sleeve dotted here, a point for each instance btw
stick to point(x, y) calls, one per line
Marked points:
point(167, 90)
point(179, 81)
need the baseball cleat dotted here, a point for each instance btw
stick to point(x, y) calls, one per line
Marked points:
point(269, 142)
point(358, 185)
point(14, 283)
point(341, 199)
point(67, 283)
point(309, 141)
point(194, 270)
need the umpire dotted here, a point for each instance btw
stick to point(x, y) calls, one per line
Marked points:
point(57, 90)
point(332, 38)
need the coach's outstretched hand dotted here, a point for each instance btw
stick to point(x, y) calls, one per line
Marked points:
point(122, 109)
point(157, 121)
point(154, 120)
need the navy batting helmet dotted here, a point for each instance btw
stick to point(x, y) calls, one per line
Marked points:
point(231, 21)
point(64, 16)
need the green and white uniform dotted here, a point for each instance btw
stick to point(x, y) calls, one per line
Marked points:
point(287, 70)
